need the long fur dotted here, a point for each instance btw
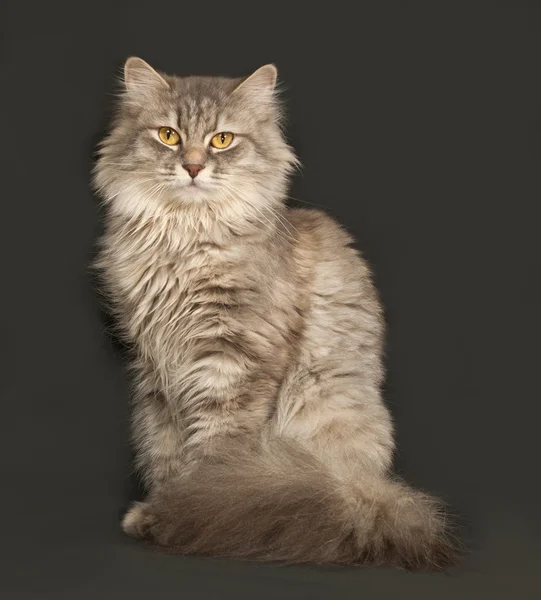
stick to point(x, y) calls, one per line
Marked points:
point(256, 336)
point(273, 501)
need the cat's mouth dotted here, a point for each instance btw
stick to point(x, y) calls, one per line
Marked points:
point(194, 189)
point(193, 184)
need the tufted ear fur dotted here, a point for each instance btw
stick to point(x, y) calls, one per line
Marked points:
point(260, 86)
point(141, 78)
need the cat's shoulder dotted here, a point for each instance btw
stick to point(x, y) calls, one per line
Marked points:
point(318, 223)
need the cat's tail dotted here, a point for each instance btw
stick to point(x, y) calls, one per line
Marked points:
point(276, 502)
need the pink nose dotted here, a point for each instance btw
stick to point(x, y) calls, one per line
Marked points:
point(193, 170)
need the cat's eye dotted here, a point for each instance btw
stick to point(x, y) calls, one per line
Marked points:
point(222, 140)
point(168, 136)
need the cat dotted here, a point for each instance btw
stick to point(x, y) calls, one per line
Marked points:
point(256, 335)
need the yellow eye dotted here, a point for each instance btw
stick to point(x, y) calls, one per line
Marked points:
point(168, 136)
point(222, 140)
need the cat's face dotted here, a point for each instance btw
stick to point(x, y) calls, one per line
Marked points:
point(178, 141)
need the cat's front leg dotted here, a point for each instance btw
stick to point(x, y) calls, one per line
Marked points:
point(167, 451)
point(158, 437)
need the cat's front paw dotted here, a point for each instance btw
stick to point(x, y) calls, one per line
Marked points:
point(138, 520)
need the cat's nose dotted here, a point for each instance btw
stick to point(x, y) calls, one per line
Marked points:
point(193, 170)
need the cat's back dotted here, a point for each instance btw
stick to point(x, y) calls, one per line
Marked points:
point(344, 304)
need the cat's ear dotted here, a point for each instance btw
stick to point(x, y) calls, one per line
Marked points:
point(140, 77)
point(260, 86)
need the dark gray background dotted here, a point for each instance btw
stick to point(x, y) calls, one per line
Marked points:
point(419, 126)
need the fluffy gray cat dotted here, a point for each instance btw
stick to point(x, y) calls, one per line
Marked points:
point(256, 333)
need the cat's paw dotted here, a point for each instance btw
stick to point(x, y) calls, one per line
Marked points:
point(138, 520)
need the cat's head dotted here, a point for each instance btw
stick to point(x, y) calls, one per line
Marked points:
point(183, 141)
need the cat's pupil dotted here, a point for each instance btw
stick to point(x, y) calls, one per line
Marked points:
point(168, 134)
point(223, 138)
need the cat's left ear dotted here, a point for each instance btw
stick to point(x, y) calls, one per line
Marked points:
point(260, 86)
point(141, 78)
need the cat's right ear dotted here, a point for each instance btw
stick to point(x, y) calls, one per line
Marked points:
point(259, 86)
point(141, 78)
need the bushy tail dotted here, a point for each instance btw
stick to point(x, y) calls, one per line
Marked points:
point(278, 503)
